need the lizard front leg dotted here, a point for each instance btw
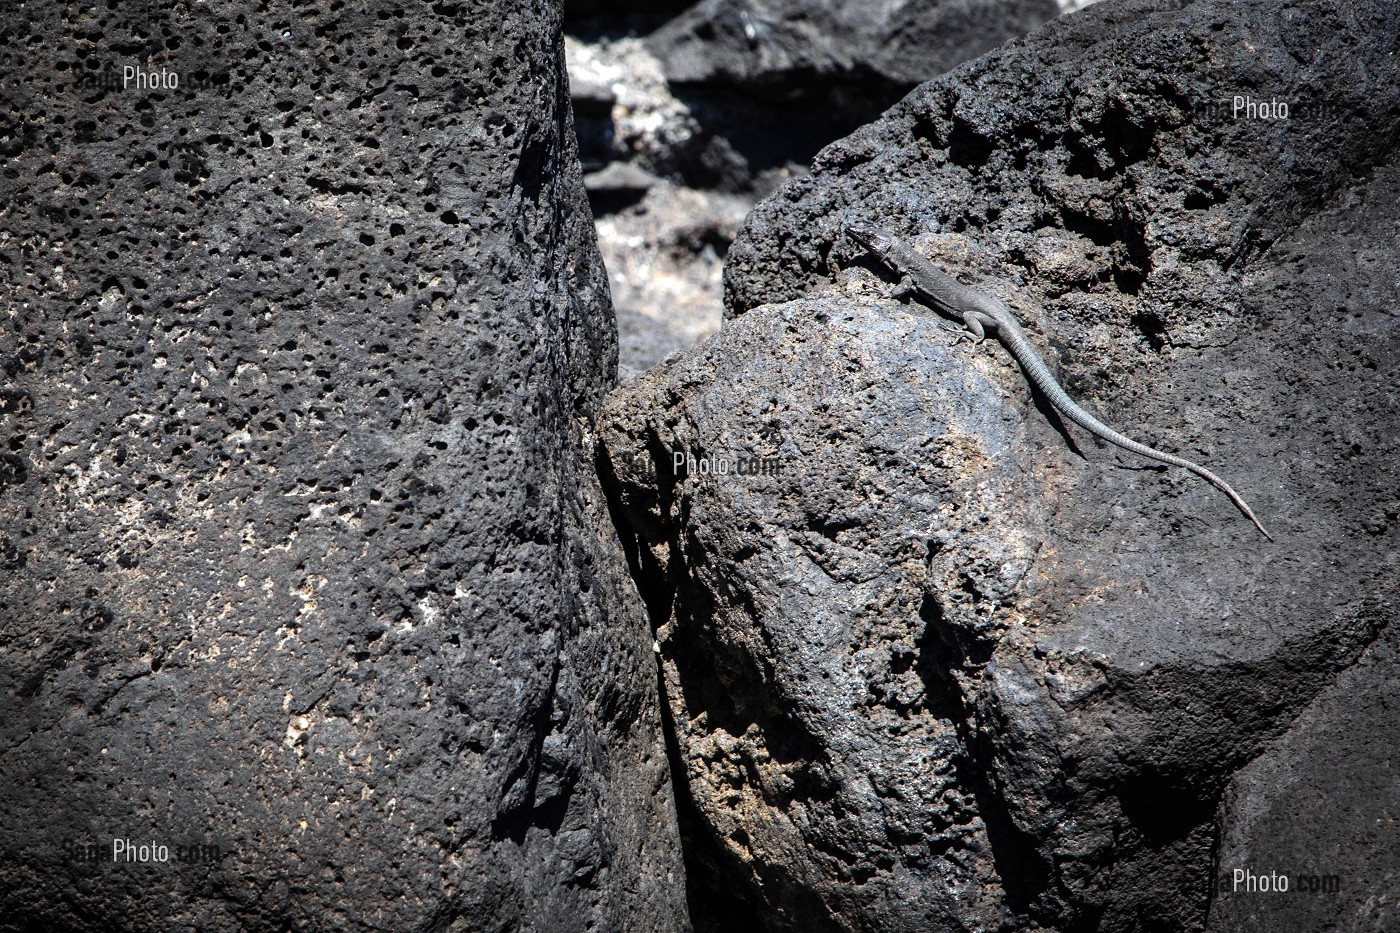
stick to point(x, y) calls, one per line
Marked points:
point(907, 287)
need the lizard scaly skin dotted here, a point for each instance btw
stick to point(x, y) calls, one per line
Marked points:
point(980, 313)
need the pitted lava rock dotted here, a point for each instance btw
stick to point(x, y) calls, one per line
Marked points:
point(1100, 655)
point(305, 559)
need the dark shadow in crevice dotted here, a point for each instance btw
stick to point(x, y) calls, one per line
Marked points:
point(1125, 239)
point(1164, 809)
point(609, 202)
point(713, 908)
point(749, 138)
point(1152, 328)
point(597, 20)
point(942, 650)
point(733, 692)
point(967, 147)
point(647, 574)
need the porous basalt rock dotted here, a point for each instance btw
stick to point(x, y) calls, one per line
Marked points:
point(304, 559)
point(787, 565)
point(1089, 644)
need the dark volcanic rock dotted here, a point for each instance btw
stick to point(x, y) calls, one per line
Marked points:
point(787, 45)
point(738, 115)
point(799, 644)
point(607, 16)
point(769, 82)
point(1104, 155)
point(1322, 809)
point(302, 565)
point(1083, 647)
point(1322, 804)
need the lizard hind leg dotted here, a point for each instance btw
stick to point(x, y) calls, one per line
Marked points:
point(974, 326)
point(959, 333)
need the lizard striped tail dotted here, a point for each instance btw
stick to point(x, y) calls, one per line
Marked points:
point(1015, 340)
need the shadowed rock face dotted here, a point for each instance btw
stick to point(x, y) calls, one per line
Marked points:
point(786, 46)
point(300, 563)
point(766, 83)
point(957, 666)
point(1321, 804)
point(1319, 808)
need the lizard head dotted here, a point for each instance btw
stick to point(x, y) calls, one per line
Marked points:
point(874, 238)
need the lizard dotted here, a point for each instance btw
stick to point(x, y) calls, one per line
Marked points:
point(980, 313)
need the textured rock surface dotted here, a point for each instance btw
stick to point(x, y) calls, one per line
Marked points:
point(1084, 646)
point(787, 45)
point(769, 82)
point(1324, 800)
point(739, 115)
point(1321, 807)
point(299, 560)
point(664, 261)
point(799, 643)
